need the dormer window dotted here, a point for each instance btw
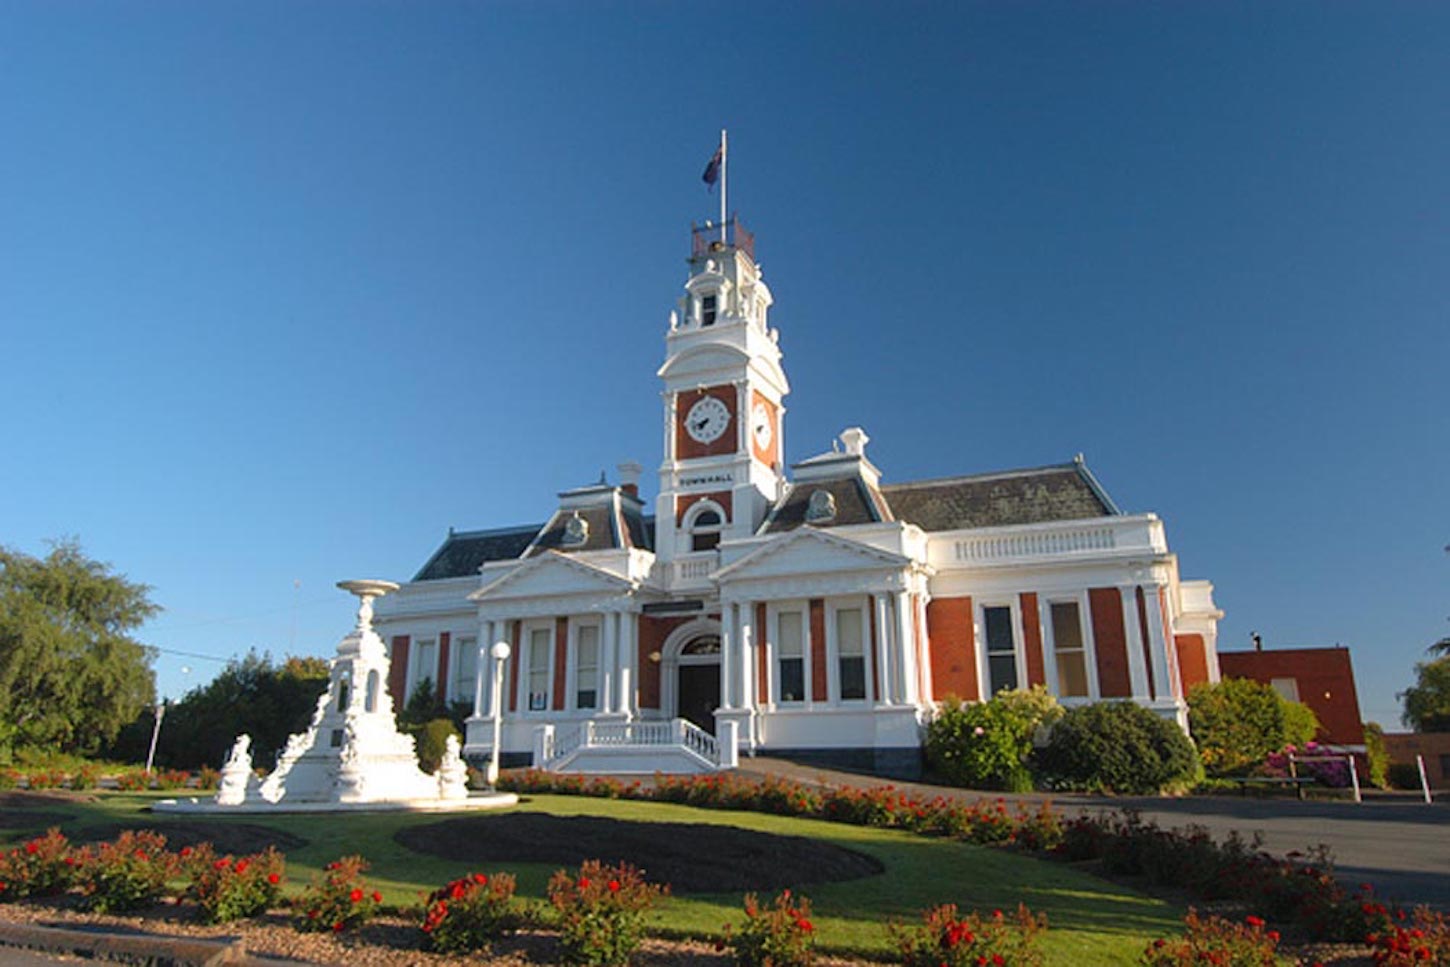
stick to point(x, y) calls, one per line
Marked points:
point(707, 310)
point(576, 531)
point(705, 530)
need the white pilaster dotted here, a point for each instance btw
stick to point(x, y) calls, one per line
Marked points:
point(628, 646)
point(728, 657)
point(887, 680)
point(483, 669)
point(1157, 646)
point(923, 648)
point(1133, 635)
point(608, 660)
point(905, 647)
point(748, 661)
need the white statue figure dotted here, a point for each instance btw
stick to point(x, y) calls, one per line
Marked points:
point(452, 772)
point(237, 778)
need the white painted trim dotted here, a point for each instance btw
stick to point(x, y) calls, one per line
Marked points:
point(861, 605)
point(526, 639)
point(571, 661)
point(773, 611)
point(1049, 643)
point(979, 617)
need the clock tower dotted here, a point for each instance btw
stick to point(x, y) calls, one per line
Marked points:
point(723, 393)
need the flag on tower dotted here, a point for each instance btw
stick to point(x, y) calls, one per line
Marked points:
point(712, 170)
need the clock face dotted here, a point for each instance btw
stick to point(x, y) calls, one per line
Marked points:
point(707, 420)
point(760, 425)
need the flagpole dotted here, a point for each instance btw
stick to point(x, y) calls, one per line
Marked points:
point(724, 179)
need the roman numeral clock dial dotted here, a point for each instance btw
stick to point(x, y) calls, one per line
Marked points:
point(707, 420)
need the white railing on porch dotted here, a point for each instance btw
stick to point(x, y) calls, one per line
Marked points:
point(555, 744)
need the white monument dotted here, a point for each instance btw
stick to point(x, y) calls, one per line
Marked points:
point(352, 754)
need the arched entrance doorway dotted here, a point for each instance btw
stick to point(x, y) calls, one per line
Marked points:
point(697, 682)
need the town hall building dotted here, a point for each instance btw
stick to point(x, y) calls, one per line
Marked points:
point(815, 611)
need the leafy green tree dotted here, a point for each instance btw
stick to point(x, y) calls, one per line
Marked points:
point(1427, 702)
point(1378, 755)
point(254, 695)
point(71, 675)
point(1238, 722)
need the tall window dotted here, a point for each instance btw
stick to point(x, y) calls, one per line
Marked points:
point(465, 667)
point(541, 643)
point(586, 665)
point(792, 656)
point(425, 664)
point(850, 653)
point(1001, 649)
point(707, 310)
point(1069, 650)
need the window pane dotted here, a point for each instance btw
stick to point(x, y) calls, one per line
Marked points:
point(540, 644)
point(791, 639)
point(999, 628)
point(587, 672)
point(848, 632)
point(1072, 674)
point(853, 677)
point(1003, 669)
point(1066, 628)
point(792, 680)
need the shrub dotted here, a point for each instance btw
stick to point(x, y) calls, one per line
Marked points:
point(49, 779)
point(1238, 722)
point(83, 778)
point(133, 781)
point(432, 740)
point(172, 779)
point(946, 939)
point(1118, 747)
point(1216, 941)
point(1377, 754)
point(227, 888)
point(779, 935)
point(470, 912)
point(207, 778)
point(987, 744)
point(340, 900)
point(1331, 772)
point(601, 912)
point(41, 867)
point(127, 873)
point(1425, 939)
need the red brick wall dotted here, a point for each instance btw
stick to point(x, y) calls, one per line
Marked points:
point(817, 648)
point(953, 648)
point(652, 634)
point(517, 633)
point(721, 497)
point(1325, 678)
point(1111, 641)
point(1032, 640)
point(398, 671)
point(1433, 746)
point(444, 643)
point(1192, 660)
point(561, 660)
point(762, 660)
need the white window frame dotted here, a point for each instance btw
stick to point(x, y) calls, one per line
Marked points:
point(772, 619)
point(572, 678)
point(1049, 645)
point(415, 652)
point(526, 639)
point(833, 650)
point(693, 513)
point(460, 690)
point(984, 665)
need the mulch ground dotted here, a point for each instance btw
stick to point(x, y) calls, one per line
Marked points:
point(690, 857)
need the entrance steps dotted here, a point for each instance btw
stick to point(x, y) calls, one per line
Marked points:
point(613, 747)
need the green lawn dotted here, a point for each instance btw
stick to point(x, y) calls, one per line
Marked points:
point(1090, 920)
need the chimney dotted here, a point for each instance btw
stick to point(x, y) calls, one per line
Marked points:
point(629, 472)
point(855, 439)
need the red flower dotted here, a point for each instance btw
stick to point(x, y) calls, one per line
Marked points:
point(273, 879)
point(337, 927)
point(140, 854)
point(997, 960)
point(457, 891)
point(613, 886)
point(480, 879)
point(241, 866)
point(377, 897)
point(31, 847)
point(583, 882)
point(185, 852)
point(1254, 921)
point(804, 925)
point(356, 895)
point(220, 865)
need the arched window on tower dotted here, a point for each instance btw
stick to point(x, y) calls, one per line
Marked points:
point(708, 310)
point(705, 528)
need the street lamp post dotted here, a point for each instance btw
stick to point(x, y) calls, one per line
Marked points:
point(500, 652)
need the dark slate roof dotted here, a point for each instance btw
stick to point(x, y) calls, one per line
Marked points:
point(464, 552)
point(603, 531)
point(1060, 492)
point(854, 505)
point(638, 526)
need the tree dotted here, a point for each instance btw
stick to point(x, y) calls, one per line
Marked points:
point(1441, 648)
point(1238, 722)
point(70, 673)
point(1427, 702)
point(252, 695)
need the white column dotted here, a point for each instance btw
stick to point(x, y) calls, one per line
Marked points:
point(628, 645)
point(1133, 635)
point(483, 669)
point(748, 661)
point(905, 647)
point(608, 659)
point(884, 674)
point(728, 657)
point(923, 647)
point(1157, 645)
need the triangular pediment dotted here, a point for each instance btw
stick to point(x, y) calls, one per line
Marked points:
point(551, 574)
point(808, 551)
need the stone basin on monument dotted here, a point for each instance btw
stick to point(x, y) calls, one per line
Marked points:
point(352, 755)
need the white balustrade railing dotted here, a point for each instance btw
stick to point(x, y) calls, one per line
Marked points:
point(557, 744)
point(989, 548)
point(695, 568)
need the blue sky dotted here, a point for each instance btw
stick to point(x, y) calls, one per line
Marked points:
point(288, 289)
